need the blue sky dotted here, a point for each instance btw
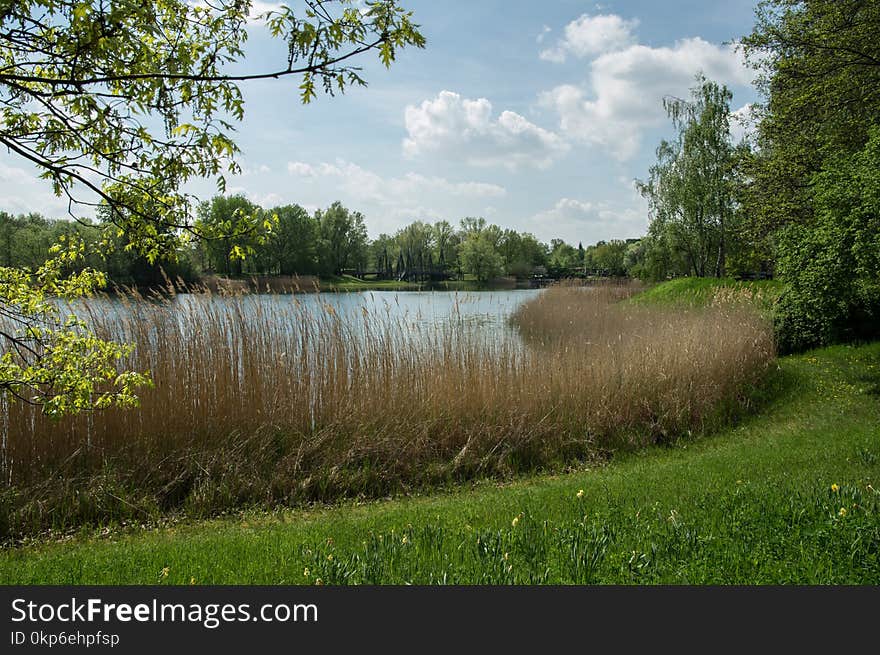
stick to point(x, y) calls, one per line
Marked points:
point(535, 115)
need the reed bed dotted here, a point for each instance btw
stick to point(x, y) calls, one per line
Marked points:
point(260, 403)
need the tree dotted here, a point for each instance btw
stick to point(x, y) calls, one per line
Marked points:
point(472, 225)
point(812, 189)
point(229, 219)
point(342, 238)
point(819, 71)
point(563, 258)
point(480, 257)
point(383, 255)
point(119, 104)
point(609, 257)
point(690, 188)
point(521, 252)
point(446, 244)
point(293, 244)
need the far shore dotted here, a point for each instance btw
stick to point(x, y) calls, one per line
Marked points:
point(288, 284)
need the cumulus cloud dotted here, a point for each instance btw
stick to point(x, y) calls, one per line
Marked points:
point(462, 129)
point(254, 169)
point(367, 185)
point(392, 201)
point(743, 123)
point(588, 222)
point(22, 191)
point(626, 88)
point(592, 35)
point(257, 9)
point(543, 34)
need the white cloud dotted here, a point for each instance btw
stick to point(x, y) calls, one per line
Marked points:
point(256, 10)
point(393, 201)
point(300, 168)
point(259, 7)
point(743, 123)
point(592, 35)
point(626, 88)
point(267, 199)
point(589, 222)
point(461, 129)
point(264, 200)
point(257, 169)
point(15, 176)
point(367, 185)
point(543, 34)
point(22, 192)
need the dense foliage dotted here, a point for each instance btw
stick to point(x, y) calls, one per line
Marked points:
point(813, 190)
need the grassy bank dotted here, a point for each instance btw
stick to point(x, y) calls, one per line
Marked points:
point(790, 495)
point(259, 403)
point(700, 292)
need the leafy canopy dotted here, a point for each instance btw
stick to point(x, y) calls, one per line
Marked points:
point(812, 188)
point(689, 190)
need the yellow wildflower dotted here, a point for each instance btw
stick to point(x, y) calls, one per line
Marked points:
point(842, 511)
point(306, 572)
point(515, 521)
point(835, 488)
point(164, 572)
point(580, 494)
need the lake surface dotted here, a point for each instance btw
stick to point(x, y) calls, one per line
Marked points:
point(478, 313)
point(487, 310)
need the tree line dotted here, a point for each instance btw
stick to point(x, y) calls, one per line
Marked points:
point(329, 242)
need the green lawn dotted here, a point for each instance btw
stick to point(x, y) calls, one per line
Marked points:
point(697, 291)
point(791, 495)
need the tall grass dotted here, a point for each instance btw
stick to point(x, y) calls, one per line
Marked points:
point(264, 403)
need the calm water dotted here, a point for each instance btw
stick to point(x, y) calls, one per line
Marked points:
point(487, 310)
point(482, 313)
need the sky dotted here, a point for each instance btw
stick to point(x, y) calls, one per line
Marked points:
point(537, 116)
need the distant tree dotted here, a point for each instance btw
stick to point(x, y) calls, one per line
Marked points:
point(522, 252)
point(563, 258)
point(293, 244)
point(480, 257)
point(342, 236)
point(446, 244)
point(472, 225)
point(609, 256)
point(383, 255)
point(228, 219)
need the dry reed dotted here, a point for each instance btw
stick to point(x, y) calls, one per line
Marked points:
point(265, 403)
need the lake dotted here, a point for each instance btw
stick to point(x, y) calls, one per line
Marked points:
point(477, 313)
